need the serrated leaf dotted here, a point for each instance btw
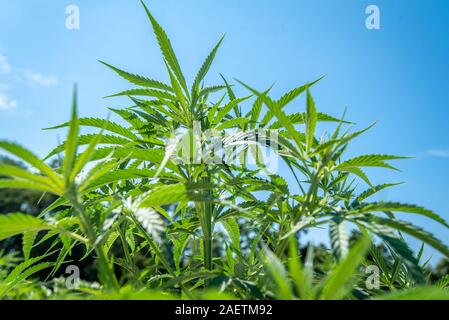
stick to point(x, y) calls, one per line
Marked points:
point(397, 207)
point(139, 80)
point(166, 48)
point(18, 223)
point(28, 239)
point(336, 285)
point(106, 125)
point(339, 239)
point(232, 228)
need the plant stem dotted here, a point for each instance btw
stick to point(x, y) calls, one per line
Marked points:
point(105, 270)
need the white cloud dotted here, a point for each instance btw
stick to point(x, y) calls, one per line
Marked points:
point(10, 76)
point(40, 79)
point(6, 103)
point(438, 153)
point(5, 67)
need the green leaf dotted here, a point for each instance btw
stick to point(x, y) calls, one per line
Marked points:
point(337, 285)
point(232, 123)
point(358, 172)
point(418, 293)
point(397, 207)
point(232, 228)
point(118, 175)
point(414, 231)
point(339, 239)
point(166, 48)
point(370, 160)
point(31, 159)
point(139, 80)
point(72, 141)
point(102, 124)
point(205, 67)
point(279, 114)
point(18, 223)
point(299, 118)
point(27, 243)
point(88, 138)
point(222, 112)
point(22, 184)
point(278, 274)
point(293, 94)
point(375, 189)
point(17, 172)
point(145, 92)
point(311, 119)
point(299, 274)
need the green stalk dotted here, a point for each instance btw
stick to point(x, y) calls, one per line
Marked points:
point(105, 270)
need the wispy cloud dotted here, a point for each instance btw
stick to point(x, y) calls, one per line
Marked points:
point(40, 79)
point(6, 103)
point(10, 76)
point(441, 153)
point(5, 67)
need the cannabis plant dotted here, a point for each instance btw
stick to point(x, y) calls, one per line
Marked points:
point(165, 201)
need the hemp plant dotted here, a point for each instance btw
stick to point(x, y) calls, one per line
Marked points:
point(209, 225)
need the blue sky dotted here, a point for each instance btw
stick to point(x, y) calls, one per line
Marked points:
point(397, 75)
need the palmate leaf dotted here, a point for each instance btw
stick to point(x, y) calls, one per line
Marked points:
point(139, 80)
point(166, 48)
point(23, 184)
point(335, 143)
point(370, 160)
point(396, 244)
point(18, 223)
point(358, 172)
point(23, 276)
point(99, 123)
point(371, 191)
point(31, 159)
point(287, 98)
point(129, 117)
point(211, 89)
point(176, 88)
point(155, 156)
point(337, 283)
point(145, 92)
point(293, 94)
point(231, 95)
point(82, 160)
point(205, 67)
point(118, 175)
point(414, 231)
point(232, 123)
point(22, 174)
point(88, 138)
point(222, 112)
point(279, 114)
point(396, 207)
point(175, 193)
point(299, 118)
